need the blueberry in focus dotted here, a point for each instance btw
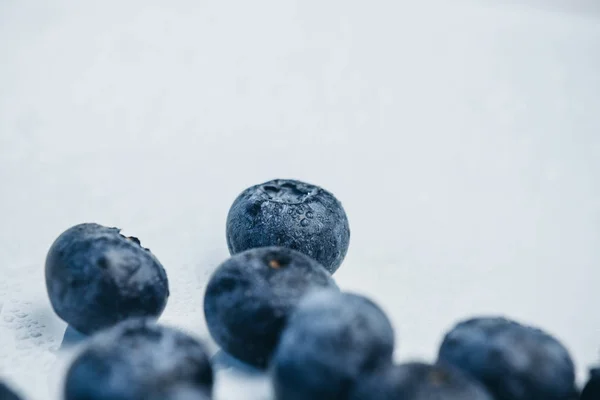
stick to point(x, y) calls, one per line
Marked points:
point(418, 381)
point(514, 361)
point(591, 390)
point(6, 393)
point(290, 214)
point(137, 359)
point(331, 340)
point(97, 277)
point(249, 297)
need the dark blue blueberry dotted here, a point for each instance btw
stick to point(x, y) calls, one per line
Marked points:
point(418, 381)
point(330, 341)
point(135, 359)
point(97, 277)
point(591, 391)
point(291, 214)
point(515, 362)
point(6, 393)
point(250, 296)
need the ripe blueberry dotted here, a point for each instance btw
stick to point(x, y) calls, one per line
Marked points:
point(418, 381)
point(135, 359)
point(330, 341)
point(591, 391)
point(97, 277)
point(291, 214)
point(6, 393)
point(250, 296)
point(514, 362)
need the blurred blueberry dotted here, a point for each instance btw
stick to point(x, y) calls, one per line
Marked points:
point(250, 296)
point(97, 277)
point(291, 214)
point(6, 393)
point(418, 381)
point(591, 391)
point(515, 362)
point(331, 340)
point(135, 359)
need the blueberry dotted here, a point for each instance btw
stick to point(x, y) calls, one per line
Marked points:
point(330, 341)
point(291, 214)
point(591, 391)
point(97, 277)
point(418, 381)
point(135, 359)
point(6, 393)
point(250, 296)
point(514, 361)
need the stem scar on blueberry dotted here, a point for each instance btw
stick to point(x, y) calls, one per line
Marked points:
point(134, 239)
point(277, 261)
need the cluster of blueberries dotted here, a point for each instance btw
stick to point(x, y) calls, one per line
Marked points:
point(275, 306)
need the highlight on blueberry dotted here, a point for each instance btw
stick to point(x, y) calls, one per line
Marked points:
point(291, 214)
point(331, 340)
point(591, 390)
point(514, 361)
point(418, 381)
point(137, 359)
point(96, 277)
point(7, 393)
point(251, 295)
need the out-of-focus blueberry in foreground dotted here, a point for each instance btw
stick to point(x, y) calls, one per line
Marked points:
point(96, 277)
point(418, 381)
point(251, 295)
point(7, 393)
point(514, 361)
point(591, 390)
point(291, 214)
point(137, 359)
point(332, 339)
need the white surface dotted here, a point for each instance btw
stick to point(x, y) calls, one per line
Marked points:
point(462, 139)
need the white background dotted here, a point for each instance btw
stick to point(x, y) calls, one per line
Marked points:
point(463, 140)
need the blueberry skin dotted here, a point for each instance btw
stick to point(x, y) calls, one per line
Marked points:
point(290, 214)
point(591, 391)
point(136, 359)
point(331, 340)
point(250, 296)
point(419, 381)
point(97, 277)
point(514, 361)
point(6, 393)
